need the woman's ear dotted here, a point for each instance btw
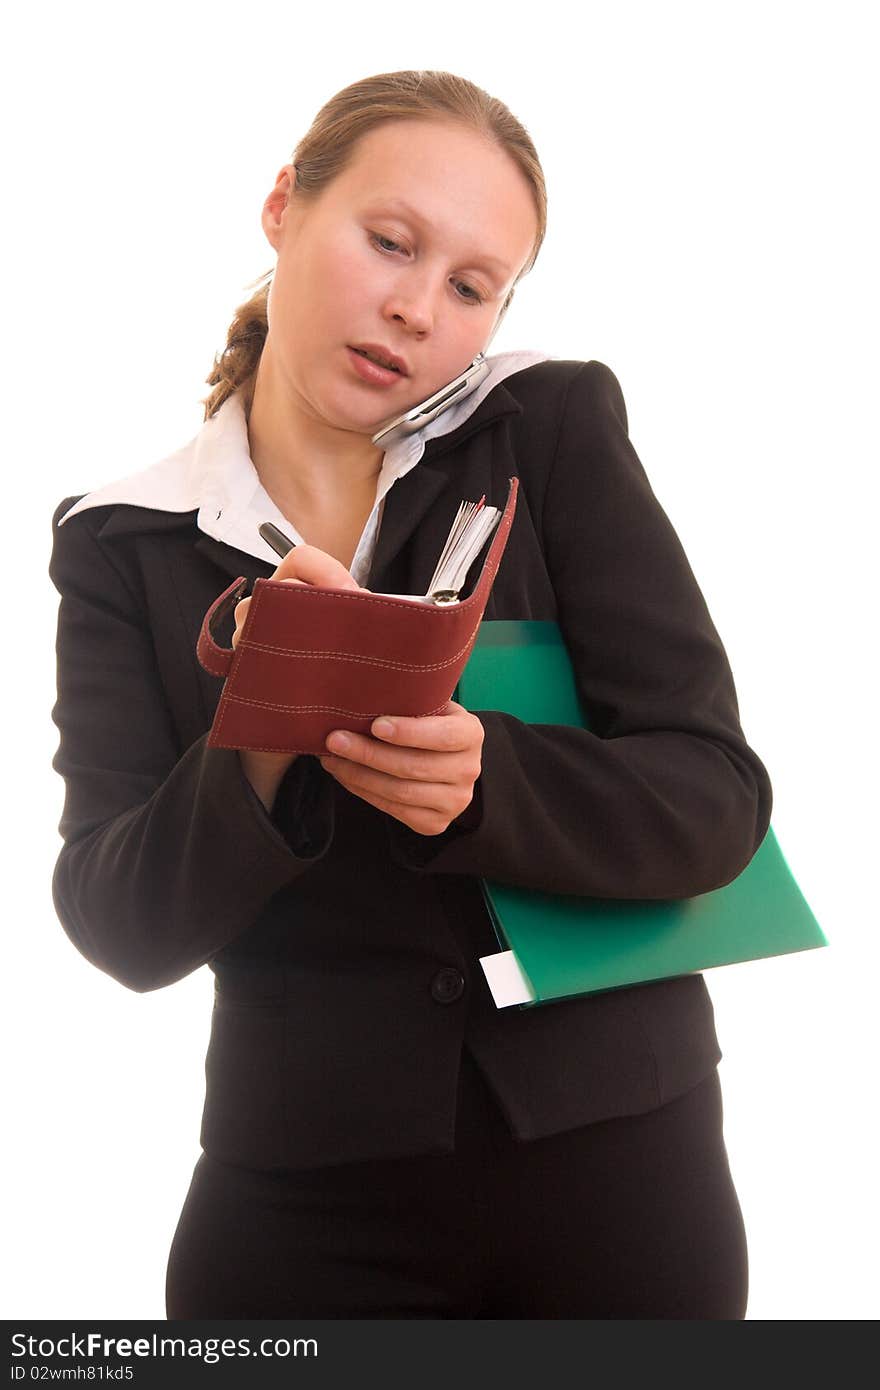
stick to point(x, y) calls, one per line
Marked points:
point(276, 203)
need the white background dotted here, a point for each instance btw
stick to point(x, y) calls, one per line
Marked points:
point(711, 173)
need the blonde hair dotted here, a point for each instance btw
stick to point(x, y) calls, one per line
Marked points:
point(326, 150)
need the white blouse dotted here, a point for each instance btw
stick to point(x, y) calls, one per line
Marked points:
point(215, 474)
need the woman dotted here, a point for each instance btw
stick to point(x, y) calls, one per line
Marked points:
point(379, 1140)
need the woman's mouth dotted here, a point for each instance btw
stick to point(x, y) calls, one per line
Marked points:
point(371, 371)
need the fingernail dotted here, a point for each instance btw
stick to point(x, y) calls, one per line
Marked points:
point(383, 728)
point(338, 742)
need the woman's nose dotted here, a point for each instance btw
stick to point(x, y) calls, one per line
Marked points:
point(414, 305)
point(413, 316)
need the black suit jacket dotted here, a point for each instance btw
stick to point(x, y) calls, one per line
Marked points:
point(344, 945)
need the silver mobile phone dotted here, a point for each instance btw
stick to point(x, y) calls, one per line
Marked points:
point(422, 414)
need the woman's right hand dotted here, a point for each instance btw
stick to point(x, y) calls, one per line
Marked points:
point(305, 564)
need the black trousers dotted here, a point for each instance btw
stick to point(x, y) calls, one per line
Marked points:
point(628, 1218)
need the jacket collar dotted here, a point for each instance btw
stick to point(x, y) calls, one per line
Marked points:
point(212, 480)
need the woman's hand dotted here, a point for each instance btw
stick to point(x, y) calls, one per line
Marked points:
point(305, 564)
point(422, 773)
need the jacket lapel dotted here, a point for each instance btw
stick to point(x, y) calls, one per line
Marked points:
point(129, 519)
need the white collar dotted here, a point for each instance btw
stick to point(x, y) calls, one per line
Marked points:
point(214, 473)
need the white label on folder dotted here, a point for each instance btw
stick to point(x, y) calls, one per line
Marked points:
point(506, 980)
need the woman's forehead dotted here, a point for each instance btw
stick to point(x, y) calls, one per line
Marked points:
point(484, 204)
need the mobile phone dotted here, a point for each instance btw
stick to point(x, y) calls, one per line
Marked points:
point(419, 415)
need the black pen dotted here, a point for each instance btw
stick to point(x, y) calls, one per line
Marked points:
point(277, 539)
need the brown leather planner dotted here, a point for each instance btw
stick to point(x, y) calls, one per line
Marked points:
point(310, 659)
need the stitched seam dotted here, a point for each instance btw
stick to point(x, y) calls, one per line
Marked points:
point(314, 709)
point(387, 662)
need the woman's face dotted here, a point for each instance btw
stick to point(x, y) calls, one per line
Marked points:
point(427, 281)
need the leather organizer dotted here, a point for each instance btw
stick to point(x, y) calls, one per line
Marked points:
point(310, 659)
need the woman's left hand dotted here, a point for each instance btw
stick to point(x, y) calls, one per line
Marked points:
point(423, 773)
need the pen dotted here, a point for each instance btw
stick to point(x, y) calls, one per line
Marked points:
point(280, 543)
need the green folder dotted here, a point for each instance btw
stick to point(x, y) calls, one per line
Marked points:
point(556, 946)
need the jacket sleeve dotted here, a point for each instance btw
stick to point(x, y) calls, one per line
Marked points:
point(663, 797)
point(166, 857)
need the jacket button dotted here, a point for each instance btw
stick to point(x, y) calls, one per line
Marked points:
point(447, 986)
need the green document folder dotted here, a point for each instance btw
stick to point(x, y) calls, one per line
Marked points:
point(557, 946)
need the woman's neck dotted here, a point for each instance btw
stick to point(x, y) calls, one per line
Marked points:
point(303, 464)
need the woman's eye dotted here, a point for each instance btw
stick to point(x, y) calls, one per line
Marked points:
point(377, 236)
point(475, 297)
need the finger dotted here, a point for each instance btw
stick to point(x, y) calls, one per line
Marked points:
point(423, 806)
point(406, 763)
point(435, 786)
point(451, 732)
point(239, 612)
point(313, 566)
point(440, 794)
